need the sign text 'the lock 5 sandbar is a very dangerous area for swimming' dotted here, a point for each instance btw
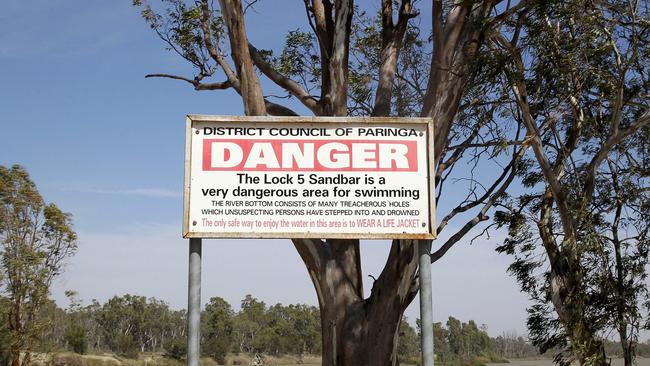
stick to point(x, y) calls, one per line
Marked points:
point(301, 177)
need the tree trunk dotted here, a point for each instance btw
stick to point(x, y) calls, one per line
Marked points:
point(628, 351)
point(351, 337)
point(567, 300)
point(627, 345)
point(587, 348)
point(17, 331)
point(251, 91)
point(27, 358)
point(358, 331)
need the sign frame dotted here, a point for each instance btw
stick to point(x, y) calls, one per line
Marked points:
point(430, 235)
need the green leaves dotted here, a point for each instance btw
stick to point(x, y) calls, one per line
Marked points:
point(35, 241)
point(218, 329)
point(574, 254)
point(299, 57)
point(180, 26)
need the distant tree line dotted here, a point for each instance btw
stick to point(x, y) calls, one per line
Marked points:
point(466, 343)
point(128, 325)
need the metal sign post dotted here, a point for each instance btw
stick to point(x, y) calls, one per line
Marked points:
point(194, 304)
point(426, 302)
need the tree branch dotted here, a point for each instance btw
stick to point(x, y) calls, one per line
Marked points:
point(324, 30)
point(284, 82)
point(197, 85)
point(534, 137)
point(251, 90)
point(311, 252)
point(520, 6)
point(469, 205)
point(455, 45)
point(335, 102)
point(616, 136)
point(212, 49)
point(396, 276)
point(482, 215)
point(273, 109)
point(392, 38)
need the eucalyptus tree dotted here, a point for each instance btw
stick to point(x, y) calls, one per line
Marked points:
point(130, 324)
point(217, 328)
point(345, 61)
point(35, 240)
point(578, 74)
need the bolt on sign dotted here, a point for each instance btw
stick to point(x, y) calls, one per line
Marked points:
point(308, 177)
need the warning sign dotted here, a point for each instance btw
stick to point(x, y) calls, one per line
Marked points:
point(296, 177)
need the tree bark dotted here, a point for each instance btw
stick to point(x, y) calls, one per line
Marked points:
point(358, 331)
point(251, 91)
point(336, 101)
point(391, 38)
point(622, 324)
point(566, 296)
point(17, 330)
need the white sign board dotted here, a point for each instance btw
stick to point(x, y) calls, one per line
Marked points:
point(298, 177)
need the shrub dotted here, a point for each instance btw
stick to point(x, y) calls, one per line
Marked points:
point(176, 348)
point(75, 337)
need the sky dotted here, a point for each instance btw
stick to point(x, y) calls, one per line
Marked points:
point(107, 145)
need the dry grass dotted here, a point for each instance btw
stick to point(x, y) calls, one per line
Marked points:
point(158, 359)
point(242, 359)
point(73, 359)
